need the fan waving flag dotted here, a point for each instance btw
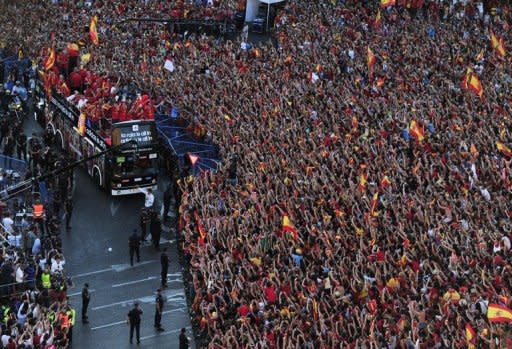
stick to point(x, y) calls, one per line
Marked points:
point(386, 3)
point(371, 58)
point(289, 227)
point(385, 182)
point(50, 60)
point(363, 178)
point(373, 205)
point(93, 31)
point(470, 336)
point(502, 148)
point(471, 82)
point(378, 20)
point(497, 313)
point(416, 131)
point(497, 44)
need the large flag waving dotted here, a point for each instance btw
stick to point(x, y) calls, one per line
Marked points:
point(497, 44)
point(386, 3)
point(417, 131)
point(50, 60)
point(471, 82)
point(499, 313)
point(93, 31)
point(371, 58)
point(502, 148)
point(470, 336)
point(289, 227)
point(378, 20)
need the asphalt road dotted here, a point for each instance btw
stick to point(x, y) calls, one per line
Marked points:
point(101, 222)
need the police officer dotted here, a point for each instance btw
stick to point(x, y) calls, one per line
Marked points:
point(134, 322)
point(159, 305)
point(86, 297)
point(183, 339)
point(134, 245)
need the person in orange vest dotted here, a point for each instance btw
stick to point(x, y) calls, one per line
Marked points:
point(38, 215)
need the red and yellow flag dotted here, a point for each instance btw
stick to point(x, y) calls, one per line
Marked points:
point(378, 20)
point(363, 179)
point(373, 205)
point(498, 313)
point(289, 227)
point(371, 58)
point(386, 3)
point(50, 60)
point(93, 31)
point(73, 49)
point(471, 82)
point(497, 44)
point(470, 336)
point(385, 182)
point(502, 148)
point(480, 55)
point(416, 131)
point(200, 229)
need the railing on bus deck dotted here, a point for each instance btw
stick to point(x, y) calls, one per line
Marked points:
point(181, 143)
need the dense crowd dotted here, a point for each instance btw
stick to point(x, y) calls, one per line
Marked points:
point(389, 240)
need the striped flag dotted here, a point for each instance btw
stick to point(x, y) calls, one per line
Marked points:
point(497, 313)
point(289, 227)
point(385, 182)
point(470, 336)
point(371, 58)
point(416, 131)
point(363, 179)
point(93, 30)
point(502, 148)
point(50, 60)
point(386, 3)
point(373, 205)
point(378, 20)
point(497, 44)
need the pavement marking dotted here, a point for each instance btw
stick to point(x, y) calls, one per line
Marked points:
point(124, 321)
point(176, 296)
point(113, 208)
point(116, 267)
point(108, 325)
point(92, 273)
point(79, 293)
point(135, 281)
point(163, 333)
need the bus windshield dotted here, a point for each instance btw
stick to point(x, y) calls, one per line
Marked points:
point(133, 164)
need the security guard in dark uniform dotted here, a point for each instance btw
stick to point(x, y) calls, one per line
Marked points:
point(134, 245)
point(134, 322)
point(159, 305)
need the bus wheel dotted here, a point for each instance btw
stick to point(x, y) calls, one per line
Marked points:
point(96, 177)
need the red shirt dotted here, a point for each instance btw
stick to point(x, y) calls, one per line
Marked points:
point(243, 310)
point(270, 294)
point(75, 80)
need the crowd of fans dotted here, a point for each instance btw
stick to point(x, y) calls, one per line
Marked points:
point(390, 241)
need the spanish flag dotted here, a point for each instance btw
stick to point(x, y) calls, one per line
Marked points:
point(200, 229)
point(386, 3)
point(363, 179)
point(289, 227)
point(373, 205)
point(498, 313)
point(470, 336)
point(73, 49)
point(480, 55)
point(471, 82)
point(385, 182)
point(378, 20)
point(416, 131)
point(502, 148)
point(497, 44)
point(93, 31)
point(371, 58)
point(50, 60)
point(315, 310)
